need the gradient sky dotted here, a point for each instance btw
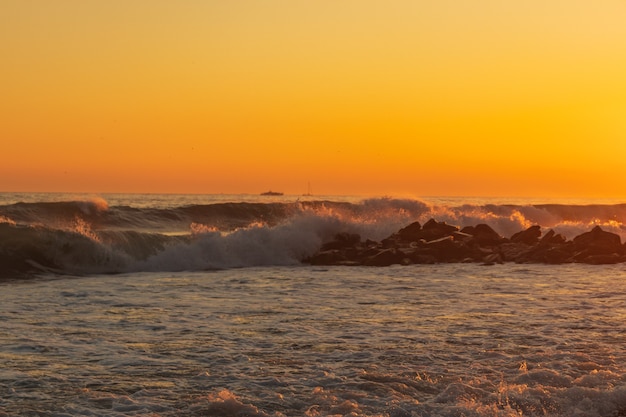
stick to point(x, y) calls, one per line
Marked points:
point(439, 97)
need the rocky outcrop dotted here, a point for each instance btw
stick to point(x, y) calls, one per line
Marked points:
point(438, 242)
point(342, 241)
point(529, 236)
point(598, 242)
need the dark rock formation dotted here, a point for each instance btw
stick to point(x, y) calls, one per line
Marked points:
point(385, 257)
point(438, 242)
point(433, 230)
point(552, 238)
point(483, 235)
point(529, 236)
point(598, 242)
point(342, 240)
point(411, 233)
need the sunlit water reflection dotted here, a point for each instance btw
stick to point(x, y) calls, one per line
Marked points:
point(449, 340)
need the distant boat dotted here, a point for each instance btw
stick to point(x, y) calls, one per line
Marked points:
point(270, 192)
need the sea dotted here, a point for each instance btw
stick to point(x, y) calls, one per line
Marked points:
point(200, 305)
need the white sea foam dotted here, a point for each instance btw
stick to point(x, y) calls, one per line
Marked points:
point(91, 236)
point(428, 340)
point(284, 244)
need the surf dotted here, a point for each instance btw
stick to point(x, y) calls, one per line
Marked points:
point(93, 235)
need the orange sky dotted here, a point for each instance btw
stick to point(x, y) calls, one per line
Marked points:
point(445, 97)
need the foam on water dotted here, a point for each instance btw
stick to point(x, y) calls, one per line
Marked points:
point(92, 236)
point(427, 340)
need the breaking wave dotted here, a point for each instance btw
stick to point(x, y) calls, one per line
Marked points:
point(91, 236)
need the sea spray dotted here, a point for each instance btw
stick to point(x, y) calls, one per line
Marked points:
point(197, 233)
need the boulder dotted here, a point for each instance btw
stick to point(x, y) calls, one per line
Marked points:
point(494, 258)
point(529, 236)
point(555, 255)
point(440, 242)
point(433, 230)
point(462, 237)
point(342, 240)
point(548, 254)
point(552, 238)
point(392, 242)
point(411, 233)
point(447, 249)
point(483, 235)
point(515, 251)
point(385, 257)
point(598, 242)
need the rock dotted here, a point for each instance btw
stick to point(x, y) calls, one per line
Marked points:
point(492, 259)
point(483, 235)
point(550, 254)
point(342, 240)
point(529, 236)
point(423, 259)
point(433, 224)
point(433, 230)
point(439, 242)
point(411, 233)
point(462, 237)
point(515, 251)
point(390, 242)
point(555, 255)
point(468, 230)
point(329, 257)
point(552, 238)
point(598, 242)
point(447, 249)
point(369, 243)
point(385, 257)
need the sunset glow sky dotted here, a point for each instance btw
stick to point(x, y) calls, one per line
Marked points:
point(439, 97)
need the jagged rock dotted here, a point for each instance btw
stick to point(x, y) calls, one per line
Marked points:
point(558, 255)
point(529, 236)
point(369, 243)
point(552, 238)
point(447, 249)
point(462, 237)
point(411, 233)
point(515, 251)
point(433, 230)
point(550, 254)
point(391, 242)
point(483, 234)
point(440, 242)
point(598, 242)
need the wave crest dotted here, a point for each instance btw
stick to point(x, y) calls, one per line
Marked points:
point(92, 237)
